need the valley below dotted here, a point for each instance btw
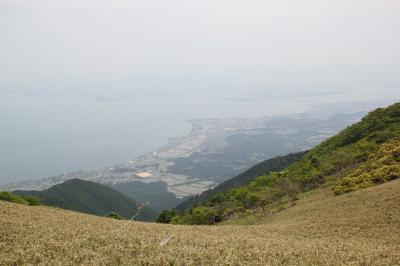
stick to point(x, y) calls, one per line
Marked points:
point(214, 151)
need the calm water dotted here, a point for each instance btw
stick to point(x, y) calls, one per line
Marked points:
point(47, 136)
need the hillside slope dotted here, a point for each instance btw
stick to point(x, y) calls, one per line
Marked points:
point(357, 228)
point(363, 155)
point(263, 168)
point(89, 197)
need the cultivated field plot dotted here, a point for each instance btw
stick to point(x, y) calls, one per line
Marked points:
point(360, 228)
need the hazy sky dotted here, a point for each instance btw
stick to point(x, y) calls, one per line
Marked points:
point(205, 46)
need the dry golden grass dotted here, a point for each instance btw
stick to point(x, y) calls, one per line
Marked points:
point(360, 228)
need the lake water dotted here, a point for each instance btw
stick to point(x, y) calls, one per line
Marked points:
point(47, 136)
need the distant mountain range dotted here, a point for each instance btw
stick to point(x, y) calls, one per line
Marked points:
point(92, 198)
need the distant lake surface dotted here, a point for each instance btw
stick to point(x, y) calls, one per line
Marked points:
point(47, 136)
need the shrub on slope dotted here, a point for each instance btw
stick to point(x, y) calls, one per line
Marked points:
point(380, 167)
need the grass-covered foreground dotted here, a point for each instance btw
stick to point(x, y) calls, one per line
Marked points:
point(357, 228)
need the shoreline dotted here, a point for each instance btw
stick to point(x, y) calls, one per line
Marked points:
point(206, 135)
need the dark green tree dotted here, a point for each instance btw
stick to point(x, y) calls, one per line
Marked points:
point(166, 216)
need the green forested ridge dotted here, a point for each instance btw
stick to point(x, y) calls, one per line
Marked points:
point(362, 155)
point(20, 199)
point(90, 197)
point(263, 168)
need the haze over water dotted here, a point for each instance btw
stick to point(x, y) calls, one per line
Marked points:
point(45, 136)
point(267, 52)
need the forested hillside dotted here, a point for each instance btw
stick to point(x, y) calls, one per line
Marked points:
point(263, 168)
point(90, 197)
point(364, 154)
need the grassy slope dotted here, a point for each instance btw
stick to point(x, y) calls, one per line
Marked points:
point(90, 197)
point(357, 228)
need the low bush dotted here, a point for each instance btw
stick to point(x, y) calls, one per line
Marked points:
point(380, 167)
point(114, 215)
